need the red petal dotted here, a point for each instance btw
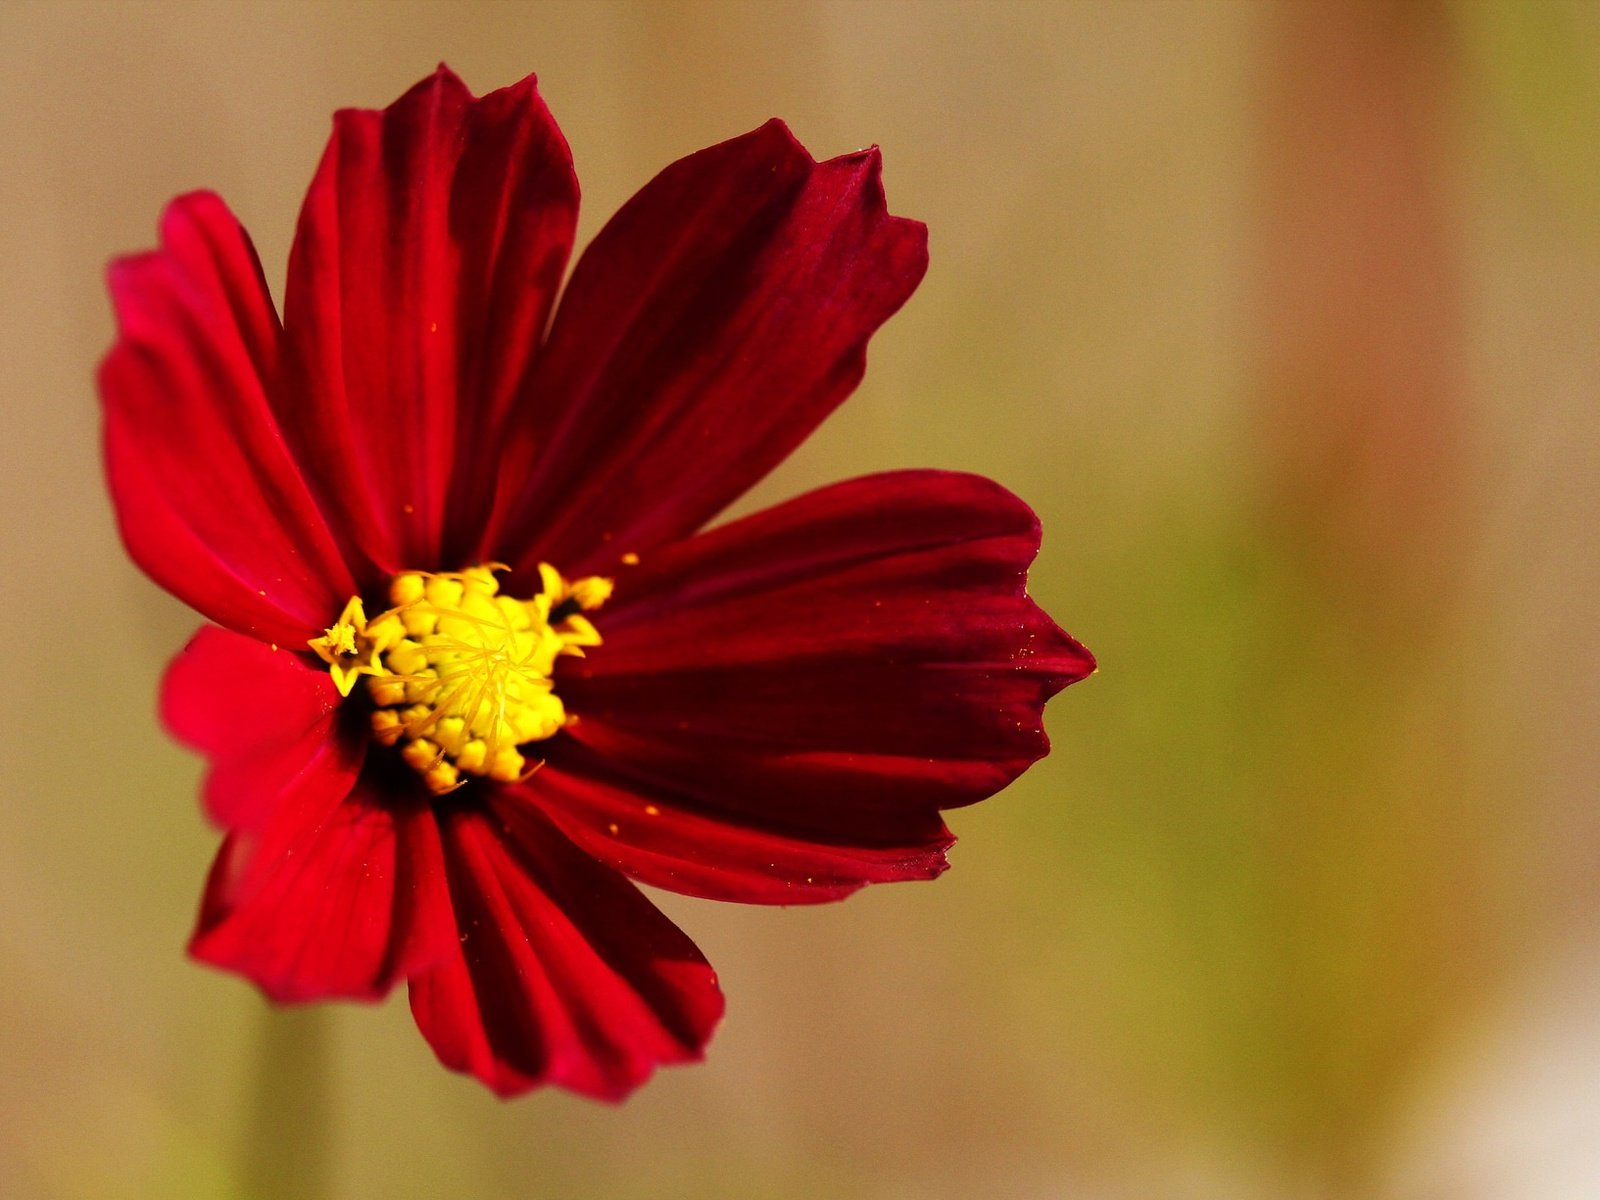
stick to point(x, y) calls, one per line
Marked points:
point(264, 717)
point(208, 499)
point(833, 671)
point(565, 973)
point(426, 259)
point(673, 840)
point(713, 323)
point(340, 895)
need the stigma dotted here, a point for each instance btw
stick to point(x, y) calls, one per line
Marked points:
point(459, 674)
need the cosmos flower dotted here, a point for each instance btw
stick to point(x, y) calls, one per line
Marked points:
point(474, 661)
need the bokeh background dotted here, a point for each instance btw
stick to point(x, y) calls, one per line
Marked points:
point(1283, 317)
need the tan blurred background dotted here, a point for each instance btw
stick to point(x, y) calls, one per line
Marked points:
point(1282, 316)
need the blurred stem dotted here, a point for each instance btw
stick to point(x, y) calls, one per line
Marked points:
point(286, 1151)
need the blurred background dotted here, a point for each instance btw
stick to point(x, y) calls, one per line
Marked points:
point(1282, 316)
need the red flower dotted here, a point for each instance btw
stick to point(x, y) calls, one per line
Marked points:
point(418, 490)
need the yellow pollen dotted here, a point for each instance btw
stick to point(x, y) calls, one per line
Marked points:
point(460, 675)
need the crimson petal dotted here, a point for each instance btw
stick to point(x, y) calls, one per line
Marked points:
point(712, 324)
point(834, 670)
point(340, 894)
point(672, 839)
point(208, 499)
point(427, 256)
point(263, 717)
point(564, 973)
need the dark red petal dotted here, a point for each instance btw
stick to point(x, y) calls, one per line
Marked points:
point(673, 840)
point(834, 670)
point(264, 717)
point(208, 499)
point(712, 324)
point(341, 894)
point(565, 974)
point(427, 256)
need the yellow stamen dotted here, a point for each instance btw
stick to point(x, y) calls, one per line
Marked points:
point(460, 675)
point(350, 646)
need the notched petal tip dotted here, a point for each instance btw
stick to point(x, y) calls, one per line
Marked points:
point(427, 254)
point(439, 84)
point(910, 235)
point(778, 138)
point(184, 211)
point(178, 218)
point(444, 78)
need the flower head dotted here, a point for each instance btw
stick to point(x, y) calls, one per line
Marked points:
point(474, 660)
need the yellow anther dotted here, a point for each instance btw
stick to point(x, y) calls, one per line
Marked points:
point(386, 690)
point(442, 777)
point(421, 754)
point(443, 592)
point(406, 589)
point(407, 657)
point(506, 765)
point(592, 592)
point(565, 598)
point(460, 675)
point(387, 727)
point(470, 757)
point(450, 733)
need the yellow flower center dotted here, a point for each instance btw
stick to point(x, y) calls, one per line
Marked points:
point(460, 675)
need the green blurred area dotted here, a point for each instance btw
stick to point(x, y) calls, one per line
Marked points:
point(1316, 463)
